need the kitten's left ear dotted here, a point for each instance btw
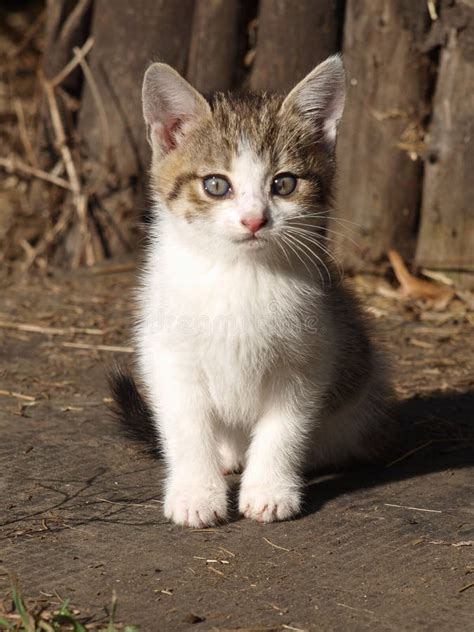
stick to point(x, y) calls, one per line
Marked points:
point(320, 97)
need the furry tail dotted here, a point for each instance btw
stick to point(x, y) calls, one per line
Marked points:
point(132, 411)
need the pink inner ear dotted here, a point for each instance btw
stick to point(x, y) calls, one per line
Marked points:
point(170, 132)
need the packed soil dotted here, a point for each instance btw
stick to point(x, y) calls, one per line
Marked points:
point(385, 547)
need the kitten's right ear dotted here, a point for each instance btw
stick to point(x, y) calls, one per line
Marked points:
point(170, 107)
point(319, 98)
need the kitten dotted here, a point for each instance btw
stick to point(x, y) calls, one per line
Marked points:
point(253, 354)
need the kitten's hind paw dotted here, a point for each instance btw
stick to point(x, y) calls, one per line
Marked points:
point(197, 507)
point(266, 504)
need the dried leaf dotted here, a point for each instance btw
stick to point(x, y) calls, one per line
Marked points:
point(412, 287)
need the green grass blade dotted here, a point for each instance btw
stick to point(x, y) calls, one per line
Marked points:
point(113, 610)
point(21, 609)
point(64, 607)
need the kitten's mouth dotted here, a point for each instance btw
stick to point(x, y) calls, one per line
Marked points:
point(251, 241)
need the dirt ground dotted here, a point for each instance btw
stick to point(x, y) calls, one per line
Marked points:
point(388, 547)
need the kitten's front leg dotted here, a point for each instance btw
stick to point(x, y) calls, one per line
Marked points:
point(195, 489)
point(271, 486)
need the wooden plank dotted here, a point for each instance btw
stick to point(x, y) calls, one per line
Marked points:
point(214, 45)
point(379, 167)
point(446, 239)
point(293, 37)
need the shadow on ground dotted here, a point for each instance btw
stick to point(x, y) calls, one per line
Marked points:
point(434, 433)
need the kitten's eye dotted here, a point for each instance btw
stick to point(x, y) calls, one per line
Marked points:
point(217, 186)
point(284, 184)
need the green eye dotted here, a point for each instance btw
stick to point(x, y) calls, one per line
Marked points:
point(217, 186)
point(284, 184)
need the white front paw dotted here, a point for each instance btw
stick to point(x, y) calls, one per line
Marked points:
point(196, 506)
point(267, 503)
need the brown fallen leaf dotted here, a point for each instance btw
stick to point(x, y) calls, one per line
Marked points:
point(412, 287)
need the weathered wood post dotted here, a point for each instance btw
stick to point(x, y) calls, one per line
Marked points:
point(446, 239)
point(379, 169)
point(127, 37)
point(214, 45)
point(292, 38)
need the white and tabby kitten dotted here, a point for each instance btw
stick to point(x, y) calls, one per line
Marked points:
point(253, 355)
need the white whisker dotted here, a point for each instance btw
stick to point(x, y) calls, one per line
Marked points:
point(311, 252)
point(280, 245)
point(292, 247)
point(326, 215)
point(325, 230)
point(312, 239)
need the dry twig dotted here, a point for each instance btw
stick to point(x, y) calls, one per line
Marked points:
point(115, 268)
point(104, 123)
point(79, 198)
point(24, 136)
point(16, 395)
point(84, 345)
point(410, 452)
point(16, 165)
point(49, 237)
point(79, 55)
point(276, 546)
point(413, 508)
point(51, 331)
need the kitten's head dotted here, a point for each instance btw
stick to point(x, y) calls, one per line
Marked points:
point(249, 172)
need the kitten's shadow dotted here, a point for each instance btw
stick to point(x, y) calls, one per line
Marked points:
point(434, 433)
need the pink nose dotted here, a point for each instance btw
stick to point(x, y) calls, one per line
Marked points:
point(255, 224)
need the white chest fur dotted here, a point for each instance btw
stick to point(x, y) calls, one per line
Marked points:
point(236, 325)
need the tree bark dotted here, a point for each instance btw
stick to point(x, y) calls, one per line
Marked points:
point(446, 237)
point(379, 167)
point(293, 37)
